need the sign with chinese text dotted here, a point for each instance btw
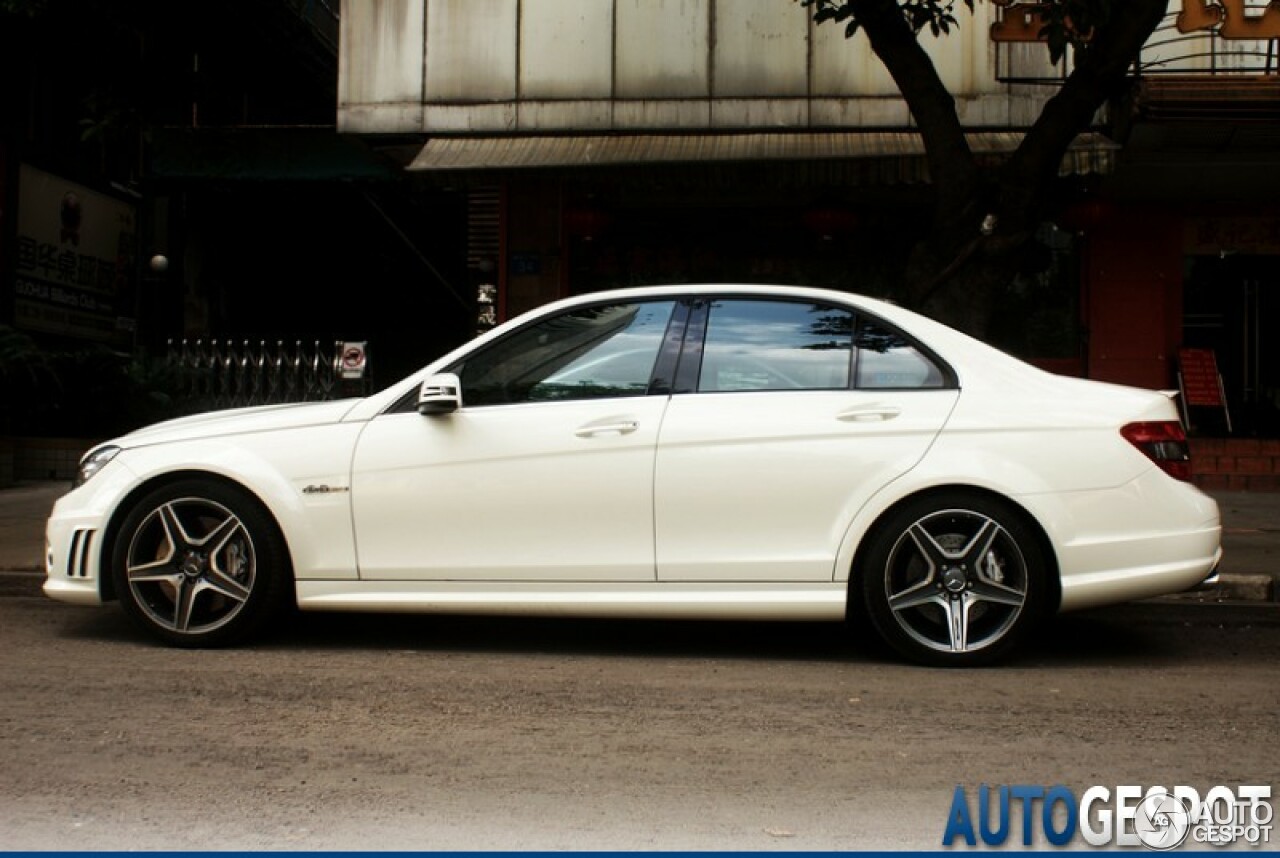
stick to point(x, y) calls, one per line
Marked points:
point(1211, 235)
point(1200, 382)
point(74, 268)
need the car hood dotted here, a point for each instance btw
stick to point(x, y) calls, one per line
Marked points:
point(237, 421)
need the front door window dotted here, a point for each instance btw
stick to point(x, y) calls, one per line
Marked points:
point(590, 353)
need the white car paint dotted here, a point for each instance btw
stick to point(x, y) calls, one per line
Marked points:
point(478, 481)
point(760, 486)
point(747, 504)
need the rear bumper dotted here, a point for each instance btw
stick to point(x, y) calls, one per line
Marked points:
point(1151, 537)
point(1212, 579)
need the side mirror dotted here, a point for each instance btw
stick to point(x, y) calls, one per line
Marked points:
point(440, 394)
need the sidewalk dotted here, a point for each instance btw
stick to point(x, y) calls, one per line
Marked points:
point(1250, 565)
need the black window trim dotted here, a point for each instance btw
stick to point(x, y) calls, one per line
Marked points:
point(683, 342)
point(950, 379)
point(663, 377)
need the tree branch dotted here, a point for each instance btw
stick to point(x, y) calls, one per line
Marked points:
point(952, 166)
point(1099, 73)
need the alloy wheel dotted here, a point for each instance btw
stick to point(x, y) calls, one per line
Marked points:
point(191, 565)
point(956, 581)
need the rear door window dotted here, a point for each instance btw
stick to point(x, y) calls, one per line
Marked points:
point(775, 345)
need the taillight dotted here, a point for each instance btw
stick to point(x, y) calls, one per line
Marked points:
point(1164, 443)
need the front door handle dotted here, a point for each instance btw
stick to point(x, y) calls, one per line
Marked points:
point(869, 413)
point(608, 426)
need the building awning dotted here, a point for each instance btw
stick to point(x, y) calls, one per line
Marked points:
point(1090, 153)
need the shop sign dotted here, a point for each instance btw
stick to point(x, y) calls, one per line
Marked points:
point(1201, 383)
point(74, 255)
point(1200, 379)
point(1216, 235)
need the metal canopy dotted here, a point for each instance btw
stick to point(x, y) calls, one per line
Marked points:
point(1090, 153)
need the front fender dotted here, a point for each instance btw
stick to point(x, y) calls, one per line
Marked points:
point(277, 468)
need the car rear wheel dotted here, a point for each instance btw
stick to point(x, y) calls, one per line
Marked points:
point(198, 563)
point(954, 580)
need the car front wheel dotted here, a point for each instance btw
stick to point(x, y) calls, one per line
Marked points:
point(199, 563)
point(954, 580)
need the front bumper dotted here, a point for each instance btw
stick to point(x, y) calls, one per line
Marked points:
point(75, 537)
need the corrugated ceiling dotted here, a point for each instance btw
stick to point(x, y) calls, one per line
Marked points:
point(1090, 153)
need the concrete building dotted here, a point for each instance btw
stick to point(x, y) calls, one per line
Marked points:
point(610, 142)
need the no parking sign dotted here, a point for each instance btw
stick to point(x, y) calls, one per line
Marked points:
point(353, 359)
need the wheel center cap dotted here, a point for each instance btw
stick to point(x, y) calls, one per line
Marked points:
point(954, 580)
point(193, 565)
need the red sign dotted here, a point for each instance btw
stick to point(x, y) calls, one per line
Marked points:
point(354, 359)
point(1200, 383)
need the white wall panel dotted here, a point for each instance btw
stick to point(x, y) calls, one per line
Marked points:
point(589, 115)
point(381, 60)
point(667, 114)
point(566, 49)
point(759, 113)
point(380, 118)
point(886, 112)
point(965, 58)
point(847, 67)
point(470, 118)
point(761, 49)
point(663, 48)
point(471, 52)
point(497, 66)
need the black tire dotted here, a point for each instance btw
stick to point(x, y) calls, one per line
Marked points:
point(954, 580)
point(199, 563)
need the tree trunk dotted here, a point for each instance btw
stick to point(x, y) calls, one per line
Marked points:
point(982, 224)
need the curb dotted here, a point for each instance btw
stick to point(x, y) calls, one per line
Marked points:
point(1234, 587)
point(1231, 587)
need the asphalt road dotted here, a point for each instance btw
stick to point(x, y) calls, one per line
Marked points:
point(444, 733)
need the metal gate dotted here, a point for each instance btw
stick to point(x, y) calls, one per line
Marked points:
point(235, 373)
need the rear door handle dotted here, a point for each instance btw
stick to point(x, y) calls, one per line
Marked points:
point(869, 413)
point(608, 426)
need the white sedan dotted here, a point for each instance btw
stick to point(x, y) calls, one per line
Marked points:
point(768, 453)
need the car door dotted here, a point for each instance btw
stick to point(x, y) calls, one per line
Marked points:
point(798, 413)
point(544, 473)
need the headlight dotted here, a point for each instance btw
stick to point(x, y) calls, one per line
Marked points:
point(94, 462)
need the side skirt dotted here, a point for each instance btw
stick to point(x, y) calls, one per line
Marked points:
point(819, 602)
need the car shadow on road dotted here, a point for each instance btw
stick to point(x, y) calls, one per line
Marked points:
point(571, 636)
point(1126, 635)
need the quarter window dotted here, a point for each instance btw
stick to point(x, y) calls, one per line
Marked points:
point(887, 360)
point(588, 353)
point(775, 345)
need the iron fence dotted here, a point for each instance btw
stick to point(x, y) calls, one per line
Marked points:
point(1204, 52)
point(235, 373)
